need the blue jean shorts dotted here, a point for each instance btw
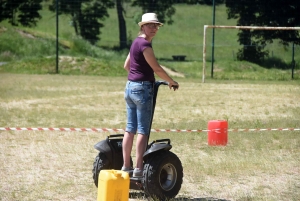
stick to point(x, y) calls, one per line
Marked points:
point(139, 98)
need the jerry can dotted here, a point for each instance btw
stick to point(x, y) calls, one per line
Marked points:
point(113, 185)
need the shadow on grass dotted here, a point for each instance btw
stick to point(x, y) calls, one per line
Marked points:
point(274, 62)
point(142, 196)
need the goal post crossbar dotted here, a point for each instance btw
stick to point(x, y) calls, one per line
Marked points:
point(236, 27)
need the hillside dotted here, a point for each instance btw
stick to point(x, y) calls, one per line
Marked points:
point(25, 48)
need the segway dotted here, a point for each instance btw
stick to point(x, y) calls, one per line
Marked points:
point(162, 173)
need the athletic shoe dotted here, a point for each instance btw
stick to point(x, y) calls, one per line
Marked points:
point(137, 172)
point(129, 170)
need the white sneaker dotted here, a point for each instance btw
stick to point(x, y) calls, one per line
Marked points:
point(129, 170)
point(137, 172)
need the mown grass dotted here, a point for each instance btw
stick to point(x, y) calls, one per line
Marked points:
point(57, 165)
point(50, 165)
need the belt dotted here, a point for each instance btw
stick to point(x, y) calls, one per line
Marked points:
point(142, 82)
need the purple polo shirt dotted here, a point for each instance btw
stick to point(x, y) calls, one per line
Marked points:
point(140, 70)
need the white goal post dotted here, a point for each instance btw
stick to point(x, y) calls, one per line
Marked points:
point(235, 27)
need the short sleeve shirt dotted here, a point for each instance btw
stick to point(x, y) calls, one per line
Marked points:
point(140, 70)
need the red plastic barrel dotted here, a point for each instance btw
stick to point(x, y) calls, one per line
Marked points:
point(218, 132)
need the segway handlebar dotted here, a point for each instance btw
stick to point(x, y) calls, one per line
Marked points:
point(158, 83)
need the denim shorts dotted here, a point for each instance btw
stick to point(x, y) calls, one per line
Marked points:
point(139, 98)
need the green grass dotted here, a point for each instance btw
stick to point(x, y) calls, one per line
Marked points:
point(53, 165)
point(260, 166)
point(32, 50)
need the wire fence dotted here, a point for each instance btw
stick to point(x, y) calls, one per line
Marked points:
point(101, 27)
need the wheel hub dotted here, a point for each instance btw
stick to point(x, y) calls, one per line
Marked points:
point(167, 177)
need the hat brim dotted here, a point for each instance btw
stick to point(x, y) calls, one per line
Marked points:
point(156, 22)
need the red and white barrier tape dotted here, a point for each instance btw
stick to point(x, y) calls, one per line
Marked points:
point(152, 130)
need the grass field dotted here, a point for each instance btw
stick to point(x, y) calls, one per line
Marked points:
point(52, 165)
point(33, 50)
point(88, 92)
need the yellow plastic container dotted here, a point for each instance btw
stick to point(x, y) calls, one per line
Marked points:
point(113, 185)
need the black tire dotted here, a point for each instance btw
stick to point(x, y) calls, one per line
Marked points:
point(162, 176)
point(100, 163)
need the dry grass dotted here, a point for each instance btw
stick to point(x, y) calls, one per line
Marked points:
point(57, 165)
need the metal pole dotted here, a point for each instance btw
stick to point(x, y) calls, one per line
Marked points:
point(213, 42)
point(293, 60)
point(204, 53)
point(57, 44)
point(254, 27)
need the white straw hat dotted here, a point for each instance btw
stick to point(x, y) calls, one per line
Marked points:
point(149, 18)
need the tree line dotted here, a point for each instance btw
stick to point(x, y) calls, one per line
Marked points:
point(87, 16)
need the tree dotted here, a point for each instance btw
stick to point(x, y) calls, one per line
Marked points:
point(24, 12)
point(163, 8)
point(205, 2)
point(122, 25)
point(86, 16)
point(275, 13)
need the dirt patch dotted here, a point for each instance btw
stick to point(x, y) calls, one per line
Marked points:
point(3, 29)
point(171, 72)
point(71, 60)
point(25, 34)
